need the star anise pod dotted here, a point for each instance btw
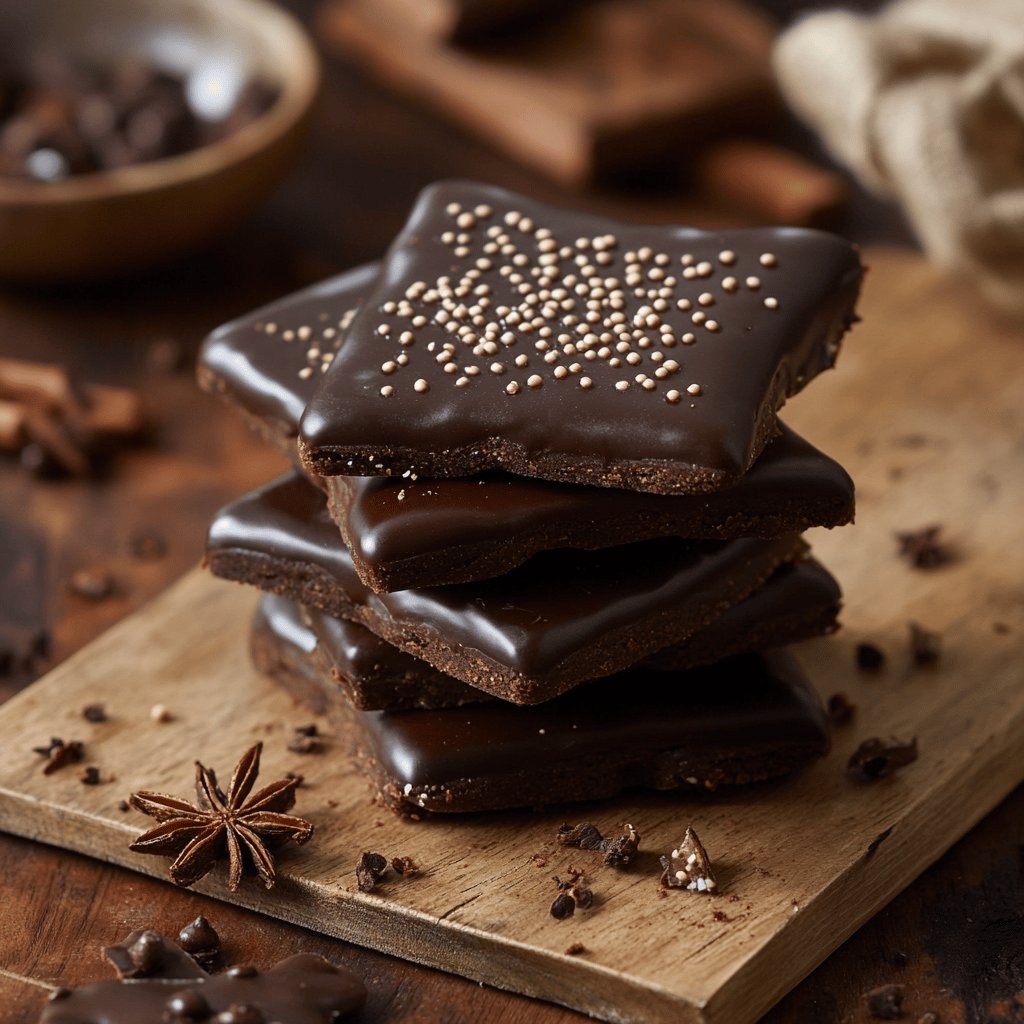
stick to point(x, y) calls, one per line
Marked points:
point(219, 825)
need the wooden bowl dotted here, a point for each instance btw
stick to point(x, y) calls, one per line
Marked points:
point(121, 221)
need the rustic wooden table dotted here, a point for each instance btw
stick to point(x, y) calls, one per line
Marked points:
point(955, 939)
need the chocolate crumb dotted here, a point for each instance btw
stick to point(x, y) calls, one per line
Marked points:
point(539, 860)
point(372, 867)
point(886, 1002)
point(925, 646)
point(618, 852)
point(89, 776)
point(92, 584)
point(306, 730)
point(922, 549)
point(876, 758)
point(304, 745)
point(147, 546)
point(123, 806)
point(59, 753)
point(200, 940)
point(572, 893)
point(870, 658)
point(404, 866)
point(576, 949)
point(840, 710)
point(94, 713)
point(877, 842)
point(720, 915)
point(139, 960)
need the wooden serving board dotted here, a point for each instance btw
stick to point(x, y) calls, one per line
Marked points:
point(927, 412)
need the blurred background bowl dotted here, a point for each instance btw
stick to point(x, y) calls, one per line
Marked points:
point(111, 222)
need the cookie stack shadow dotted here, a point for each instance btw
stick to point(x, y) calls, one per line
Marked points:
point(542, 541)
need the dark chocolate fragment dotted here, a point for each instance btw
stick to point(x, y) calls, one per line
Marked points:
point(689, 867)
point(404, 866)
point(698, 339)
point(371, 869)
point(618, 852)
point(870, 658)
point(89, 776)
point(925, 646)
point(147, 954)
point(749, 718)
point(94, 713)
point(876, 758)
point(519, 637)
point(886, 1002)
point(571, 893)
point(923, 549)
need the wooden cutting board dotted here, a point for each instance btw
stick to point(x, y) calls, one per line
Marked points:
point(927, 411)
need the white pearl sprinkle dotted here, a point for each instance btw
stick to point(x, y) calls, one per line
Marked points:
point(387, 391)
point(727, 256)
point(753, 283)
point(771, 303)
point(421, 385)
point(512, 387)
point(673, 397)
point(693, 389)
point(767, 259)
point(534, 380)
point(622, 385)
point(586, 383)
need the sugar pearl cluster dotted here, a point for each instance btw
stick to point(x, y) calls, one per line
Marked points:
point(536, 311)
point(318, 342)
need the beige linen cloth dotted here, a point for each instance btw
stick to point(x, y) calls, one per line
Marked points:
point(925, 102)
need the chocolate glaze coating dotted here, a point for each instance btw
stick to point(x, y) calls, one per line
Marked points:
point(768, 340)
point(800, 600)
point(304, 989)
point(564, 617)
point(744, 719)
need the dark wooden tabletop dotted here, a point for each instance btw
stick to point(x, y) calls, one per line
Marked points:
point(954, 939)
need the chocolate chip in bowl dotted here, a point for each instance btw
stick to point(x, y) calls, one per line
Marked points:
point(132, 131)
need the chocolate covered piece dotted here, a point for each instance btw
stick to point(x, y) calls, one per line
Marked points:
point(748, 718)
point(506, 334)
point(403, 533)
point(304, 989)
point(799, 601)
point(562, 618)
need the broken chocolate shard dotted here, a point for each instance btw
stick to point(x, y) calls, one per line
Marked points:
point(875, 758)
point(618, 852)
point(923, 549)
point(370, 870)
point(659, 407)
point(147, 954)
point(689, 867)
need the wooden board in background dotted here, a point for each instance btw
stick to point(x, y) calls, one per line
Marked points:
point(927, 412)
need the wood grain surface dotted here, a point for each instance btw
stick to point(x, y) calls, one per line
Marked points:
point(804, 863)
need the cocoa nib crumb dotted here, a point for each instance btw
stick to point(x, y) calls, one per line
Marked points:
point(840, 710)
point(89, 776)
point(870, 658)
point(923, 548)
point(372, 867)
point(618, 852)
point(885, 1002)
point(875, 757)
point(404, 866)
point(576, 949)
point(59, 753)
point(94, 713)
point(925, 646)
point(572, 893)
point(92, 584)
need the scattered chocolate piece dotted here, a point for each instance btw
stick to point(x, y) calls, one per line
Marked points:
point(689, 867)
point(840, 709)
point(147, 954)
point(618, 852)
point(94, 713)
point(576, 949)
point(886, 1002)
point(303, 744)
point(876, 758)
point(572, 893)
point(89, 776)
point(123, 806)
point(372, 867)
point(147, 546)
point(92, 584)
point(923, 548)
point(200, 940)
point(161, 713)
point(720, 915)
point(306, 730)
point(404, 866)
point(59, 753)
point(925, 646)
point(198, 834)
point(870, 658)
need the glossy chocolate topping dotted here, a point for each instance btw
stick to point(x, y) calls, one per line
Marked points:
point(558, 605)
point(504, 333)
point(756, 707)
point(304, 989)
point(270, 361)
point(794, 602)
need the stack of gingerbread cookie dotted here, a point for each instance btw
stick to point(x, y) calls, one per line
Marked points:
point(544, 523)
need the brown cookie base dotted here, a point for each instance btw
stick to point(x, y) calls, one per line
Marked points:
point(742, 721)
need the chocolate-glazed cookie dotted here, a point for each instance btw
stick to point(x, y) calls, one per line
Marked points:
point(562, 618)
point(741, 720)
point(504, 333)
point(799, 601)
